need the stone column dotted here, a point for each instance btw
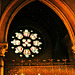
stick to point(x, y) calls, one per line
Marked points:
point(73, 48)
point(3, 49)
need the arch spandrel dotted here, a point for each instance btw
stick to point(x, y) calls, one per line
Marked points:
point(6, 16)
point(70, 25)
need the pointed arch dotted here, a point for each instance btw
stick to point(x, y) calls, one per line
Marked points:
point(59, 7)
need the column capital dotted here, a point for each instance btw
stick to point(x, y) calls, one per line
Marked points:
point(73, 48)
point(3, 48)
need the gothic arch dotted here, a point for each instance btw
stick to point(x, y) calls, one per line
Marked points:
point(60, 8)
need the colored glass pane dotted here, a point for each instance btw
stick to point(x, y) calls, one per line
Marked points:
point(19, 35)
point(15, 42)
point(26, 33)
point(36, 43)
point(18, 49)
point(27, 53)
point(33, 36)
point(28, 39)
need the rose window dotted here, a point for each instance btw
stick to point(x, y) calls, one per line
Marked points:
point(26, 43)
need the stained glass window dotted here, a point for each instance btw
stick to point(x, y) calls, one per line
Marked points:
point(26, 43)
point(15, 42)
point(18, 49)
point(19, 35)
point(37, 43)
point(33, 36)
point(27, 53)
point(34, 49)
point(26, 33)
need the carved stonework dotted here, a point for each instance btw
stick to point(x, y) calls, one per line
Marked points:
point(73, 48)
point(3, 48)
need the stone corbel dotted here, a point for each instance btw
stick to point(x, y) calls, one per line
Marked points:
point(3, 48)
point(73, 48)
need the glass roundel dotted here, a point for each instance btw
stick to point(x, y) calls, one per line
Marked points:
point(26, 42)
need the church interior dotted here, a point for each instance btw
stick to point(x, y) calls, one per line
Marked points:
point(37, 37)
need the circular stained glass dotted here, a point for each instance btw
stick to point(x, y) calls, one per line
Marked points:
point(26, 42)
